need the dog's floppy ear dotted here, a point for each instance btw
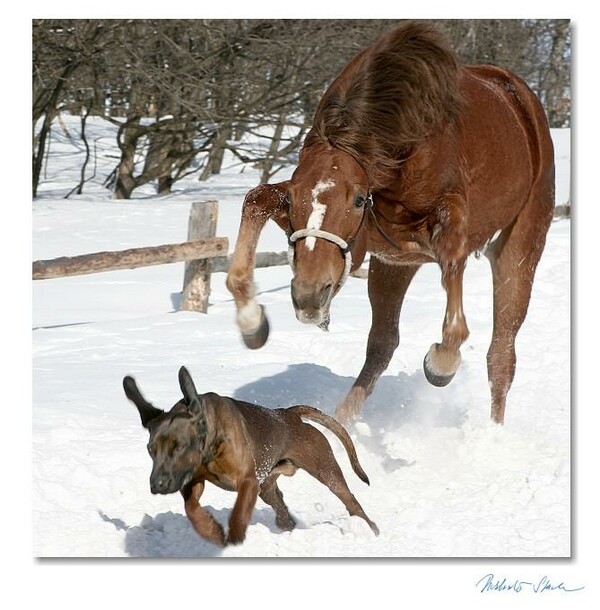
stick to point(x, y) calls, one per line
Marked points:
point(146, 410)
point(188, 389)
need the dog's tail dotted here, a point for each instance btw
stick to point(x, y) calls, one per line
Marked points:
point(313, 414)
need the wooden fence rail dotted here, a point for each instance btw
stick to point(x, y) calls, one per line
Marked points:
point(267, 259)
point(262, 260)
point(129, 259)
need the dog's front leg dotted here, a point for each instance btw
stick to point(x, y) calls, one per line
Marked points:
point(204, 523)
point(242, 511)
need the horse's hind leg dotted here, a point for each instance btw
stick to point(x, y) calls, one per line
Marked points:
point(514, 257)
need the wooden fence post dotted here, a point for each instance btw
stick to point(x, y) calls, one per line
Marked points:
point(196, 281)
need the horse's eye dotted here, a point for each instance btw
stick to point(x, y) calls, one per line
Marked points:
point(359, 201)
point(288, 198)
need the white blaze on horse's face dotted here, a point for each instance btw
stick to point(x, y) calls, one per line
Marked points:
point(315, 220)
point(325, 220)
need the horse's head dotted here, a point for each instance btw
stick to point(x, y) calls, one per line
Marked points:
point(328, 198)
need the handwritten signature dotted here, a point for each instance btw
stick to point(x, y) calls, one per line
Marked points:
point(492, 583)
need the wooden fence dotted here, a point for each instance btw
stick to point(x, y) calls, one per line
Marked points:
point(203, 253)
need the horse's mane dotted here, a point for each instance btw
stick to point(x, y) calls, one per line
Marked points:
point(389, 98)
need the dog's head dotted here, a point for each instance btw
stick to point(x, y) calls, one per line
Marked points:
point(177, 437)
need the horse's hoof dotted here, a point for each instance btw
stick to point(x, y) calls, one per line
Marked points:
point(255, 339)
point(440, 368)
point(439, 381)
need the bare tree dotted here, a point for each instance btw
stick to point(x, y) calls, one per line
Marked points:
point(538, 50)
point(184, 92)
point(60, 50)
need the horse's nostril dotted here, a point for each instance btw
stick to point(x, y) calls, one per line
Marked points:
point(311, 300)
point(326, 293)
point(293, 294)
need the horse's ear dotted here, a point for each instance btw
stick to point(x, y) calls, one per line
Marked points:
point(188, 389)
point(147, 411)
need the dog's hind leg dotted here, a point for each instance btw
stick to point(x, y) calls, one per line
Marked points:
point(203, 522)
point(315, 456)
point(271, 494)
point(242, 510)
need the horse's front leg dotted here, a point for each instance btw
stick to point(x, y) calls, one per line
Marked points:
point(387, 287)
point(261, 203)
point(449, 241)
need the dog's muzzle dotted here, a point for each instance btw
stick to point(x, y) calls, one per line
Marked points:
point(164, 484)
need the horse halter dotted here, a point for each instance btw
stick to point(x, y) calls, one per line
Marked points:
point(344, 246)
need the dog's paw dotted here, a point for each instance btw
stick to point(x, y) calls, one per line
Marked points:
point(356, 526)
point(221, 541)
point(236, 537)
point(286, 524)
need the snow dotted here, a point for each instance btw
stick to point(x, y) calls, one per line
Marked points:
point(445, 481)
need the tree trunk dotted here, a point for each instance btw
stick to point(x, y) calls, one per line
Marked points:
point(555, 82)
point(161, 144)
point(84, 117)
point(49, 114)
point(127, 138)
point(164, 185)
point(273, 150)
point(216, 153)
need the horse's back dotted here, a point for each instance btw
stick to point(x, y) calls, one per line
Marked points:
point(506, 146)
point(522, 105)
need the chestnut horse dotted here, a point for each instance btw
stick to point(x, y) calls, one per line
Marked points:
point(415, 159)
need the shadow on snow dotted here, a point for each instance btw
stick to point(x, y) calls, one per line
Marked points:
point(396, 400)
point(171, 534)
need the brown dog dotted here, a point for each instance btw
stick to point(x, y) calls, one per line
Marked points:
point(239, 447)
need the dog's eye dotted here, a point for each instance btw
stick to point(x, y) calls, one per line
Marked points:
point(288, 199)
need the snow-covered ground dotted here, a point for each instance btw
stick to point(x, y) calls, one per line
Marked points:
point(445, 482)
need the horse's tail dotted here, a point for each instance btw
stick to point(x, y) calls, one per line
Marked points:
point(334, 426)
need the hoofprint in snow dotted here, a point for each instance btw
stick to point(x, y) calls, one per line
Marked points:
point(445, 481)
